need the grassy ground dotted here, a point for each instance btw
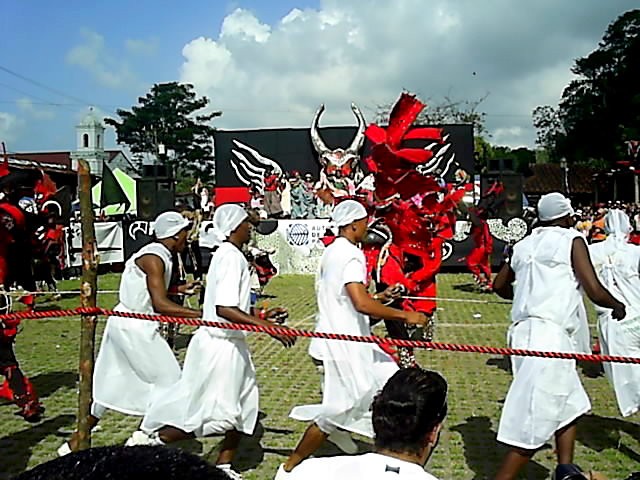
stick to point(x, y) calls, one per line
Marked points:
point(48, 351)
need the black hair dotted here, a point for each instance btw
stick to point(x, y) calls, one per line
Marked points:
point(126, 463)
point(410, 405)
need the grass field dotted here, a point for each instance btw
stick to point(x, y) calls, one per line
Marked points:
point(48, 351)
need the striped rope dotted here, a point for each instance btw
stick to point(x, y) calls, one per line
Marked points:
point(291, 332)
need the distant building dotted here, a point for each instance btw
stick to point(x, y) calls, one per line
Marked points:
point(62, 166)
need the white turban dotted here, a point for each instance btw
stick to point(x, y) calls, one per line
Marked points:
point(553, 206)
point(168, 224)
point(347, 212)
point(617, 225)
point(227, 218)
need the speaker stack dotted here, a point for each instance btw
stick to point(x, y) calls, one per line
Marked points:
point(154, 196)
point(509, 203)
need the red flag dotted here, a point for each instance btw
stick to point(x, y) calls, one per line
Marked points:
point(4, 166)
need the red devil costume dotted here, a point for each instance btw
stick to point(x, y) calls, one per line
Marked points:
point(417, 208)
point(479, 259)
point(16, 388)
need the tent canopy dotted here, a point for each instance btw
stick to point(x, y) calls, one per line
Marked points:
point(128, 185)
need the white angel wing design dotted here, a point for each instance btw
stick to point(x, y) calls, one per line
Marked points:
point(250, 166)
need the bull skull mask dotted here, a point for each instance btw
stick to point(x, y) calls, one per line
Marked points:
point(339, 161)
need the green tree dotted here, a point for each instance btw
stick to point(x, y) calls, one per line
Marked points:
point(550, 132)
point(166, 118)
point(601, 108)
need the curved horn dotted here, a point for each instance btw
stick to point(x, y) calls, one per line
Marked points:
point(317, 141)
point(358, 140)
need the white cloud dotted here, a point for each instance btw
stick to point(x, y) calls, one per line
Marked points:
point(367, 51)
point(142, 47)
point(25, 104)
point(9, 127)
point(93, 56)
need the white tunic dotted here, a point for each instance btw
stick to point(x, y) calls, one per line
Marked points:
point(617, 264)
point(217, 391)
point(354, 372)
point(370, 466)
point(547, 314)
point(134, 359)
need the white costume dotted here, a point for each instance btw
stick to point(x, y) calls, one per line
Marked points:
point(370, 466)
point(134, 359)
point(617, 263)
point(217, 391)
point(285, 199)
point(354, 372)
point(547, 314)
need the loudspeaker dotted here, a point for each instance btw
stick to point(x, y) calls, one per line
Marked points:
point(154, 196)
point(156, 170)
point(507, 204)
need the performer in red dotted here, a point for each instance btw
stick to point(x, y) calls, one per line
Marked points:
point(16, 388)
point(479, 259)
point(272, 194)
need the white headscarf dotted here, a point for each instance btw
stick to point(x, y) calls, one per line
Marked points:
point(347, 212)
point(168, 224)
point(227, 218)
point(617, 226)
point(553, 206)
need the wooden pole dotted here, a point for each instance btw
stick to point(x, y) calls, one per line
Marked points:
point(88, 290)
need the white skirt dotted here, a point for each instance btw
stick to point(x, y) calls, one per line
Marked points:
point(216, 393)
point(622, 338)
point(132, 362)
point(545, 394)
point(353, 374)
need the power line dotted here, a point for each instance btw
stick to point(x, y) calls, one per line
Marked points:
point(45, 87)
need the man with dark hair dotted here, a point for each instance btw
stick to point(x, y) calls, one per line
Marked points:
point(408, 414)
point(126, 463)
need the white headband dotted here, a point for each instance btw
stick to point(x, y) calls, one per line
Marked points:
point(347, 212)
point(227, 218)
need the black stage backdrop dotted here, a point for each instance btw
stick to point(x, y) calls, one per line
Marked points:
point(292, 149)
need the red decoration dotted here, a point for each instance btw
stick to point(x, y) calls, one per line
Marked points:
point(417, 208)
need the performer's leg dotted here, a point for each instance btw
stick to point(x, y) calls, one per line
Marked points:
point(229, 447)
point(173, 434)
point(513, 462)
point(565, 443)
point(311, 441)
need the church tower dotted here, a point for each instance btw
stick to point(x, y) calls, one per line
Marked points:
point(90, 144)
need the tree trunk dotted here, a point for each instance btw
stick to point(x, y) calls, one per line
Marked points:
point(87, 299)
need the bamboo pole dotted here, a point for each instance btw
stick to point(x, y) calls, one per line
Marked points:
point(88, 290)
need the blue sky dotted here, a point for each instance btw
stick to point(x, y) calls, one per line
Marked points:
point(271, 63)
point(146, 36)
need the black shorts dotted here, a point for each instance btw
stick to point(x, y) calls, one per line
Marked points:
point(7, 355)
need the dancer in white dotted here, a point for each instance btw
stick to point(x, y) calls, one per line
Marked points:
point(407, 416)
point(550, 269)
point(617, 264)
point(217, 393)
point(354, 372)
point(134, 359)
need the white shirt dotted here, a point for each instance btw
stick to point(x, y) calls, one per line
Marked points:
point(228, 285)
point(370, 466)
point(342, 263)
point(546, 286)
point(617, 265)
point(133, 292)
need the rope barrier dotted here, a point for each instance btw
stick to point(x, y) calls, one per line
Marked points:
point(458, 300)
point(291, 332)
point(23, 293)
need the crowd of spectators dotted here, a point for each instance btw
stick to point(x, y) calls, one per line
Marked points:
point(590, 220)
